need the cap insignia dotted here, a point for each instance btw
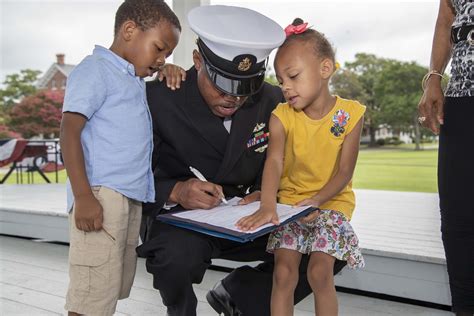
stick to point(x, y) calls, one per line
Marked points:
point(245, 64)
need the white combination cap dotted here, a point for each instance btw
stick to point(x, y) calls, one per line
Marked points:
point(235, 43)
point(231, 31)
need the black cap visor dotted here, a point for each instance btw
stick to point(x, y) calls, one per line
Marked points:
point(235, 85)
point(231, 83)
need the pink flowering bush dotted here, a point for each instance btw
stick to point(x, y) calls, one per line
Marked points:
point(5, 132)
point(38, 114)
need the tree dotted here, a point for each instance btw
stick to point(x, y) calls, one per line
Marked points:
point(399, 90)
point(358, 81)
point(18, 86)
point(38, 114)
point(5, 132)
point(270, 77)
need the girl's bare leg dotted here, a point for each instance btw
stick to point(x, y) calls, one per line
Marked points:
point(285, 279)
point(321, 280)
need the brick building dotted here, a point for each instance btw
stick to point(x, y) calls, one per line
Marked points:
point(56, 76)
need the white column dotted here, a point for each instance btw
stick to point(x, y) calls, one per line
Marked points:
point(182, 55)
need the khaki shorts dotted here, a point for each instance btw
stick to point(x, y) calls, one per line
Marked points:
point(102, 264)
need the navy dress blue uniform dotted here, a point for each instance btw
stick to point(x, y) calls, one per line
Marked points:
point(233, 44)
point(187, 133)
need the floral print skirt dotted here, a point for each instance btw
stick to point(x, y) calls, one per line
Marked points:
point(330, 233)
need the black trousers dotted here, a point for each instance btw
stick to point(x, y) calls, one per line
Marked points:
point(177, 258)
point(456, 192)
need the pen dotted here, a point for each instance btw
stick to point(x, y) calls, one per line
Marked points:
point(202, 178)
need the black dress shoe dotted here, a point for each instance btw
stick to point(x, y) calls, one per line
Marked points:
point(221, 302)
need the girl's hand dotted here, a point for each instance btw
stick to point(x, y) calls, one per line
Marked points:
point(311, 216)
point(250, 198)
point(431, 106)
point(174, 75)
point(261, 217)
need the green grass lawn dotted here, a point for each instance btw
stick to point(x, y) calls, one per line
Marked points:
point(390, 168)
point(397, 170)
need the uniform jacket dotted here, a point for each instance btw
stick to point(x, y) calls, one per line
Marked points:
point(186, 133)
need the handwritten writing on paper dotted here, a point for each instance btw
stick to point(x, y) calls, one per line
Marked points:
point(226, 216)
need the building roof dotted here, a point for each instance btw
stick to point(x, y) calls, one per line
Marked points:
point(60, 66)
point(65, 69)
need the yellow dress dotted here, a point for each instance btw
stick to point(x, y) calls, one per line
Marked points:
point(312, 153)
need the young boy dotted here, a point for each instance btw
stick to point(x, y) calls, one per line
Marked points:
point(106, 141)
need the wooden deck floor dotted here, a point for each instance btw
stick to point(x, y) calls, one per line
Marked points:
point(33, 281)
point(399, 236)
point(402, 224)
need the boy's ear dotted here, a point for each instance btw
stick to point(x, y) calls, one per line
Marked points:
point(327, 68)
point(128, 30)
point(197, 59)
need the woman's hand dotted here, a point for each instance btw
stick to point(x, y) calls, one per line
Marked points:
point(174, 74)
point(261, 217)
point(431, 106)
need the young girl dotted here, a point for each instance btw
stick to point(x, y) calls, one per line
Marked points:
point(310, 161)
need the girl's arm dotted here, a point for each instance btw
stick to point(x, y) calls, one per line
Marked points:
point(350, 151)
point(87, 210)
point(271, 179)
point(432, 101)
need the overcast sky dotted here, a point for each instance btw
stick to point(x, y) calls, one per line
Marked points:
point(33, 31)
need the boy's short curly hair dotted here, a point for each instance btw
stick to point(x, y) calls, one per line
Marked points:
point(145, 13)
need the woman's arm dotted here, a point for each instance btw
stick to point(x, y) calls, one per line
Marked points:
point(431, 103)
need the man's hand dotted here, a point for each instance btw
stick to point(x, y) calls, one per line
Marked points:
point(173, 74)
point(311, 216)
point(88, 213)
point(261, 217)
point(194, 194)
point(252, 197)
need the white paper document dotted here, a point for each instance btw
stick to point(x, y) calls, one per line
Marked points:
point(226, 216)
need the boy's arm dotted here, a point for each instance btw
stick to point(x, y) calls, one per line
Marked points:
point(174, 74)
point(88, 211)
point(271, 179)
point(350, 151)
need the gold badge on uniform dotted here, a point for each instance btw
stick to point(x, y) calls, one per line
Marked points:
point(245, 64)
point(258, 127)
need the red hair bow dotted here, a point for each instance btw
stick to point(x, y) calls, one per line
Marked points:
point(295, 29)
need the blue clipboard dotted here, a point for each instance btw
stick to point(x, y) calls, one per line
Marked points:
point(225, 233)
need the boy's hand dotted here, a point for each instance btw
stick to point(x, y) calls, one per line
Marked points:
point(88, 213)
point(174, 75)
point(311, 216)
point(261, 217)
